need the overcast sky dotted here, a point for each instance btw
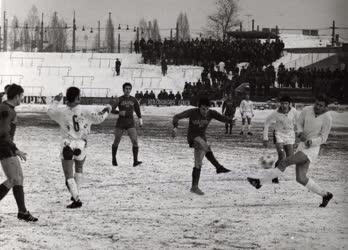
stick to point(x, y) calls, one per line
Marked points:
point(267, 13)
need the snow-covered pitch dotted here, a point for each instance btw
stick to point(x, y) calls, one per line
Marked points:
point(150, 207)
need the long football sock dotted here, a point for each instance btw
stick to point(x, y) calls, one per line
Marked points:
point(249, 126)
point(114, 151)
point(135, 153)
point(196, 173)
point(18, 193)
point(210, 156)
point(78, 179)
point(315, 188)
point(73, 188)
point(3, 191)
point(270, 174)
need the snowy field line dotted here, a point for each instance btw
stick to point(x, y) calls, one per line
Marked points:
point(150, 207)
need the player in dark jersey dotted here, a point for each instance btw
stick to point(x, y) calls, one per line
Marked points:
point(199, 119)
point(9, 153)
point(229, 109)
point(127, 105)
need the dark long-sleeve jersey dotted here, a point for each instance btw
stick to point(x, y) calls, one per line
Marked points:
point(198, 123)
point(8, 120)
point(229, 107)
point(130, 105)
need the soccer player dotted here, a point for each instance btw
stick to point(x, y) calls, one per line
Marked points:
point(247, 112)
point(9, 153)
point(229, 109)
point(199, 119)
point(75, 124)
point(314, 126)
point(127, 105)
point(284, 134)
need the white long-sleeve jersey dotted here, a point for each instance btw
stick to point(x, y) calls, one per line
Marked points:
point(246, 108)
point(315, 128)
point(75, 123)
point(284, 123)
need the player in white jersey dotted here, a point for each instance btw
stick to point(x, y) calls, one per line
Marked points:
point(314, 126)
point(247, 112)
point(75, 124)
point(284, 129)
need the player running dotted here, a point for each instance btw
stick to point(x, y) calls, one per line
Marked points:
point(75, 124)
point(246, 109)
point(229, 109)
point(199, 119)
point(9, 153)
point(284, 130)
point(314, 126)
point(127, 105)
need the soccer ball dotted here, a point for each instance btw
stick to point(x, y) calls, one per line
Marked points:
point(266, 161)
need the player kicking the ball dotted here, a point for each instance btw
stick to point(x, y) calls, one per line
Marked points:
point(75, 124)
point(314, 126)
point(284, 130)
point(199, 119)
point(127, 105)
point(9, 153)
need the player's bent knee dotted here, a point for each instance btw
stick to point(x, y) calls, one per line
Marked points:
point(68, 153)
point(302, 179)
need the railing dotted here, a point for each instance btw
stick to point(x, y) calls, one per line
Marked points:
point(99, 92)
point(100, 61)
point(19, 77)
point(22, 59)
point(131, 69)
point(82, 79)
point(307, 60)
point(151, 80)
point(192, 70)
point(40, 67)
point(31, 90)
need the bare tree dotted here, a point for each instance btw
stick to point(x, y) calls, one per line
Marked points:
point(183, 27)
point(25, 38)
point(14, 34)
point(143, 28)
point(57, 36)
point(223, 19)
point(109, 36)
point(33, 21)
point(155, 32)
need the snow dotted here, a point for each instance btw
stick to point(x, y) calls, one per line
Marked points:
point(340, 117)
point(150, 207)
point(93, 73)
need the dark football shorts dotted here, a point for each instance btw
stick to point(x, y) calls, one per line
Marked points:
point(6, 150)
point(125, 123)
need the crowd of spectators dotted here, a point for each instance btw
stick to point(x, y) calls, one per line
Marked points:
point(333, 83)
point(199, 51)
point(163, 95)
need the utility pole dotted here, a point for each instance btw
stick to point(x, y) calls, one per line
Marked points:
point(41, 34)
point(74, 34)
point(5, 33)
point(333, 34)
point(98, 43)
point(252, 25)
point(177, 32)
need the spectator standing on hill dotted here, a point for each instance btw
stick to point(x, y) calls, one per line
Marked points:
point(164, 66)
point(117, 66)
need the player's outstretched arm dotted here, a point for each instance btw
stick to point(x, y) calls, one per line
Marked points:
point(177, 117)
point(53, 111)
point(98, 117)
point(222, 118)
point(182, 115)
